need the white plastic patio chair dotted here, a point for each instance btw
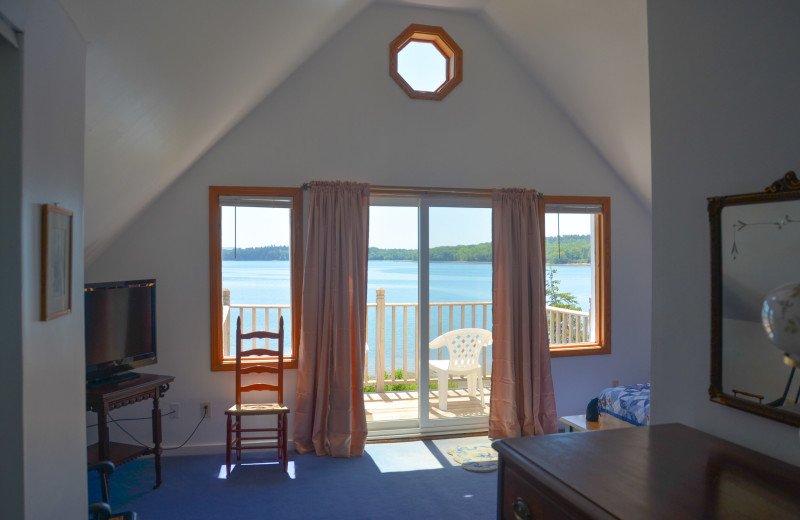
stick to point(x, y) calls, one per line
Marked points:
point(464, 348)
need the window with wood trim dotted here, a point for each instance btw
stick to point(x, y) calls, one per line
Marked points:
point(255, 258)
point(426, 62)
point(577, 251)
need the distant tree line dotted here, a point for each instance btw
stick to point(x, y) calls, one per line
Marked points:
point(257, 253)
point(575, 249)
point(472, 253)
point(570, 249)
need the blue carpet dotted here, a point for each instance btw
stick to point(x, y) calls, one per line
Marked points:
point(404, 480)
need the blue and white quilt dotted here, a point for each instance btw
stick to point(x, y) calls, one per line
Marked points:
point(629, 403)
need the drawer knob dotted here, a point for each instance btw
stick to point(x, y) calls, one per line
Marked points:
point(521, 510)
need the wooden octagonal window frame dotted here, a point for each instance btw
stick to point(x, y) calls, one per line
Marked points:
point(444, 43)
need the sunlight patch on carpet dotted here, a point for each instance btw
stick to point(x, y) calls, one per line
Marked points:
point(404, 456)
point(223, 474)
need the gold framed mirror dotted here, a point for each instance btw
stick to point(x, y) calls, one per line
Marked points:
point(755, 245)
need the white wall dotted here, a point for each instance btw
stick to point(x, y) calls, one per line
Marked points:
point(341, 116)
point(49, 425)
point(724, 78)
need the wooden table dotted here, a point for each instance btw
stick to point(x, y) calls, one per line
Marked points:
point(578, 423)
point(650, 472)
point(103, 399)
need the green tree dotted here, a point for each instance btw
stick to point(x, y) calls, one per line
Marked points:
point(556, 298)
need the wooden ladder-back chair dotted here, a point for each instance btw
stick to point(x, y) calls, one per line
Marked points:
point(236, 412)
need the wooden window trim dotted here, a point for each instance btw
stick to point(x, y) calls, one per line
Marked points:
point(602, 345)
point(454, 58)
point(218, 362)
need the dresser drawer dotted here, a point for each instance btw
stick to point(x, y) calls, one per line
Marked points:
point(523, 501)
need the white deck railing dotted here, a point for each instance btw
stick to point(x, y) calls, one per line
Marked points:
point(567, 326)
point(394, 338)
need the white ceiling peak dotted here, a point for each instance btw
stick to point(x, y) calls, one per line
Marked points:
point(166, 80)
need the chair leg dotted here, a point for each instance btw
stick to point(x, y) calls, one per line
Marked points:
point(238, 424)
point(228, 447)
point(279, 436)
point(443, 390)
point(284, 443)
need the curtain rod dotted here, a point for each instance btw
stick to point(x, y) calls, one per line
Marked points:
point(417, 190)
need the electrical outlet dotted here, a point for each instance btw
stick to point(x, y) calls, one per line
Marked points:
point(615, 383)
point(205, 410)
point(174, 410)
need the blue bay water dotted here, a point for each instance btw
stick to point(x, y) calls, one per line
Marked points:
point(267, 282)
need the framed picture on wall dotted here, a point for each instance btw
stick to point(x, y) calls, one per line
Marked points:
point(56, 262)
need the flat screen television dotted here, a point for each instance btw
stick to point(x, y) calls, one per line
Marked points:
point(120, 327)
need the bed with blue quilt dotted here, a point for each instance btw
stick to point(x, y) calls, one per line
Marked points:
point(629, 403)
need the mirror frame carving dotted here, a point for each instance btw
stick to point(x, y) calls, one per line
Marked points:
point(784, 189)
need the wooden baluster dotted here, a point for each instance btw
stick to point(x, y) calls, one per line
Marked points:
point(415, 346)
point(586, 328)
point(474, 308)
point(226, 322)
point(366, 350)
point(450, 313)
point(253, 325)
point(405, 342)
point(560, 327)
point(392, 376)
point(380, 338)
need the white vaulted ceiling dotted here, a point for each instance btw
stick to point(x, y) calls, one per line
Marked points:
point(159, 91)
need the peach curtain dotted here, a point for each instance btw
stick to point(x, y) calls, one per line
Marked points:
point(522, 401)
point(330, 417)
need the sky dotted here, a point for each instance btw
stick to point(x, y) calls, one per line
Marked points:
point(255, 227)
point(391, 227)
point(422, 66)
point(567, 224)
point(396, 227)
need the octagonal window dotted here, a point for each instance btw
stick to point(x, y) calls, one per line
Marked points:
point(425, 62)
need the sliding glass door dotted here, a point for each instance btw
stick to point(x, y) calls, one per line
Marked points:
point(460, 306)
point(391, 374)
point(429, 274)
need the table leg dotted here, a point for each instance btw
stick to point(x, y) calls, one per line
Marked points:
point(102, 436)
point(104, 450)
point(156, 420)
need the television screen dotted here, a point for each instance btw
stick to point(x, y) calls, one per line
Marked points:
point(120, 326)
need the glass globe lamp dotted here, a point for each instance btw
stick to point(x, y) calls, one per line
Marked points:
point(780, 316)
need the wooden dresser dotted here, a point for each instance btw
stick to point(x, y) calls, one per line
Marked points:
point(668, 471)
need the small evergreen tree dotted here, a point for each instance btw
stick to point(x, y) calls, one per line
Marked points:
point(554, 297)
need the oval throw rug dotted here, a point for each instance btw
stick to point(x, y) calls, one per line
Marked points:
point(480, 457)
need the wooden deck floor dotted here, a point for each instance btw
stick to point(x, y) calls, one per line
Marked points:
point(391, 406)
